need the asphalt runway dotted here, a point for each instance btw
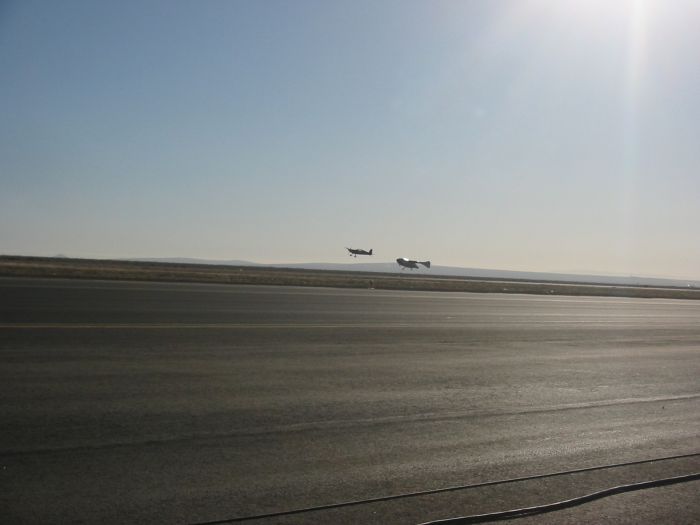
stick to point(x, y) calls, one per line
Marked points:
point(125, 402)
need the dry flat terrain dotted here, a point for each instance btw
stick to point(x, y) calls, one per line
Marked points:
point(15, 266)
point(136, 402)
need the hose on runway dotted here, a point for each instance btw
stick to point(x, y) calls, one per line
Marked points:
point(437, 491)
point(559, 505)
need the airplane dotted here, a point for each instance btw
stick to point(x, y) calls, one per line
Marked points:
point(354, 252)
point(410, 264)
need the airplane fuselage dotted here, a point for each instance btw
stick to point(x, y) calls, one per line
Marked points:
point(354, 252)
point(411, 264)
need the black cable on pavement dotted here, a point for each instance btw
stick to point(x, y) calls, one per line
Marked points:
point(437, 491)
point(559, 505)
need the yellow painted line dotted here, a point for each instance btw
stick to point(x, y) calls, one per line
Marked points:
point(175, 325)
point(192, 326)
point(236, 326)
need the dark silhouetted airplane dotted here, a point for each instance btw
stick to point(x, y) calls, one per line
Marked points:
point(411, 264)
point(354, 252)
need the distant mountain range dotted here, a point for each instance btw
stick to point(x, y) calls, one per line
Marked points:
point(448, 271)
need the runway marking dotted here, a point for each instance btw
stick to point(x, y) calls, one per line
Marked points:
point(459, 415)
point(244, 326)
point(208, 288)
point(191, 325)
point(339, 424)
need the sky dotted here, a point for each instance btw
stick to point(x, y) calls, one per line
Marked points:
point(555, 136)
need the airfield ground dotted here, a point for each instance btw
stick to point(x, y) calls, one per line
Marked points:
point(16, 266)
point(137, 402)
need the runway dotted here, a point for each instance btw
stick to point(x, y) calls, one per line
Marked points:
point(126, 402)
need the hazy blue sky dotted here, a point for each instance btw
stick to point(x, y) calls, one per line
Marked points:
point(524, 135)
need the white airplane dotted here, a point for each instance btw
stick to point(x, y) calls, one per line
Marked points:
point(411, 264)
point(354, 252)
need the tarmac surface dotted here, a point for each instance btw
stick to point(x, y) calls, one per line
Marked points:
point(134, 402)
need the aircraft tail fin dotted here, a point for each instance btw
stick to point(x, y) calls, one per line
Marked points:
point(370, 251)
point(425, 263)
